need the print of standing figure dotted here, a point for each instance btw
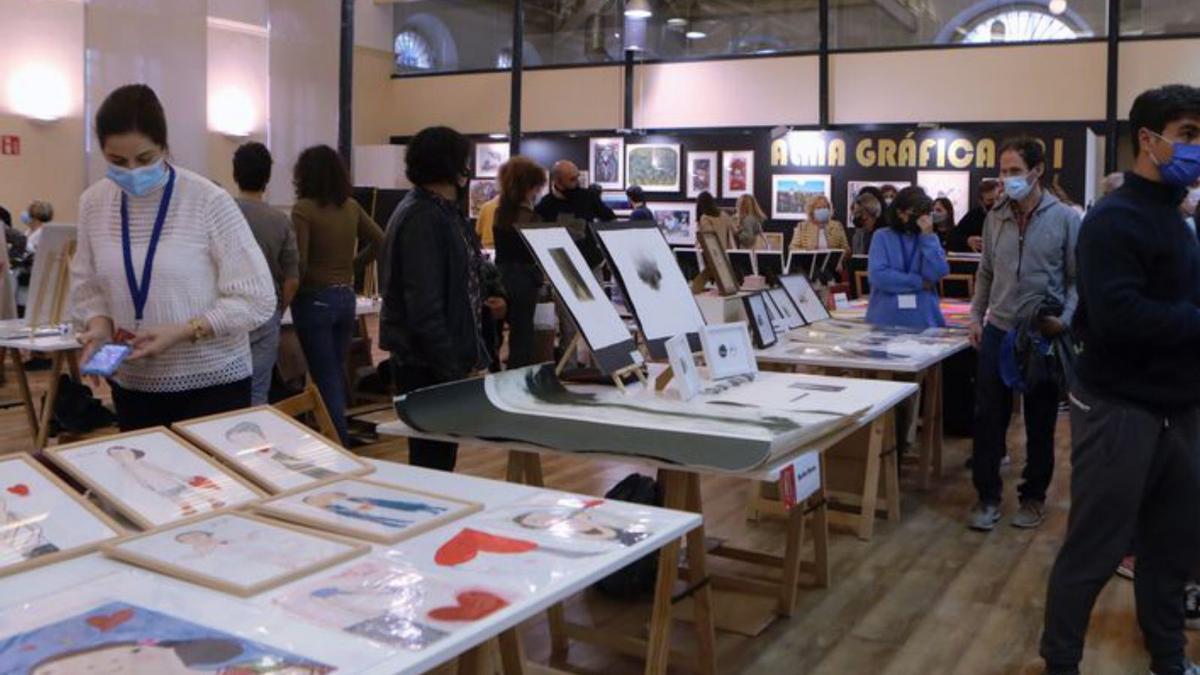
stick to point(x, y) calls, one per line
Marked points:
point(363, 508)
point(249, 436)
point(582, 522)
point(181, 490)
point(20, 537)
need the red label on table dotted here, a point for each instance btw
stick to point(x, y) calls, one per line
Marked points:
point(800, 479)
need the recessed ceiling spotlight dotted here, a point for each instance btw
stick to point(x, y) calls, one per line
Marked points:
point(1058, 7)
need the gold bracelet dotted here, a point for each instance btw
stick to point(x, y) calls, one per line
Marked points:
point(198, 332)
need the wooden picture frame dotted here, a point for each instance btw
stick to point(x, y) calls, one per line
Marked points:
point(717, 260)
point(57, 454)
point(274, 508)
point(8, 529)
point(116, 551)
point(190, 429)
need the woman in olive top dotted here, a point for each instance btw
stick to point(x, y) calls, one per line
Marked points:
point(329, 225)
point(820, 232)
point(749, 223)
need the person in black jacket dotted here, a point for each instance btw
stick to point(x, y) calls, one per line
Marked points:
point(567, 200)
point(430, 274)
point(967, 237)
point(1135, 410)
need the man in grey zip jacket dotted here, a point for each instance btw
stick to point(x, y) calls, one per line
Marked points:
point(1028, 260)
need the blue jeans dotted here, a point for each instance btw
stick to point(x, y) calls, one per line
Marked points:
point(324, 323)
point(264, 350)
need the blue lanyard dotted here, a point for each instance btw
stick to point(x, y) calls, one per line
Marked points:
point(141, 292)
point(908, 257)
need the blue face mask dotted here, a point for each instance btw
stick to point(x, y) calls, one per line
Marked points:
point(821, 215)
point(25, 218)
point(1184, 168)
point(141, 181)
point(1017, 187)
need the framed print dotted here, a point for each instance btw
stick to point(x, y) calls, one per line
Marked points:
point(272, 449)
point(116, 636)
point(788, 312)
point(365, 509)
point(701, 174)
point(806, 299)
point(152, 476)
point(737, 173)
point(953, 185)
point(717, 259)
point(727, 350)
point(790, 194)
point(683, 367)
point(43, 520)
point(760, 320)
point(480, 192)
point(489, 157)
point(677, 220)
point(235, 553)
point(606, 162)
point(854, 187)
point(48, 301)
point(653, 166)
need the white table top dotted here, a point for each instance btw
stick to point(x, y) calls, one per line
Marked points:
point(52, 343)
point(260, 619)
point(793, 353)
point(362, 307)
point(876, 396)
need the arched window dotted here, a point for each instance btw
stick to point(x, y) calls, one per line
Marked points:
point(1020, 24)
point(413, 51)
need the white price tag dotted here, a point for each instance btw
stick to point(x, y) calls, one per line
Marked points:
point(800, 480)
point(908, 301)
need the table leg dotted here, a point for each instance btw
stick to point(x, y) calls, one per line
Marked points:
point(790, 575)
point(675, 488)
point(43, 432)
point(73, 366)
point(26, 397)
point(939, 436)
point(512, 658)
point(706, 637)
point(820, 530)
point(929, 404)
point(870, 495)
point(475, 660)
point(515, 473)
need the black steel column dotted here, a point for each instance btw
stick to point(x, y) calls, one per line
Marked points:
point(823, 64)
point(1111, 127)
point(627, 121)
point(346, 84)
point(518, 67)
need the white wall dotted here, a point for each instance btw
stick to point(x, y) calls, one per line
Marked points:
point(1147, 64)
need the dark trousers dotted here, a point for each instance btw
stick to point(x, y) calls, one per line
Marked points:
point(429, 454)
point(141, 409)
point(324, 323)
point(522, 283)
point(1131, 472)
point(993, 412)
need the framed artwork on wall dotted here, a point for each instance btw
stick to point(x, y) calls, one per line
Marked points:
point(481, 191)
point(737, 173)
point(489, 157)
point(853, 187)
point(953, 185)
point(653, 166)
point(606, 162)
point(702, 174)
point(790, 194)
point(677, 220)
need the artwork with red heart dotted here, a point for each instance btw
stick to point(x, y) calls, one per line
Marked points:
point(20, 489)
point(472, 605)
point(466, 545)
point(202, 482)
point(107, 622)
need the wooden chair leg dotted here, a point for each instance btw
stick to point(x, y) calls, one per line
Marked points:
point(47, 416)
point(31, 412)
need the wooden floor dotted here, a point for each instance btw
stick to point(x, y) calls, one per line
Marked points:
point(926, 596)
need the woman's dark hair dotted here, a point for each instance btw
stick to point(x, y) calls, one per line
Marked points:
point(912, 199)
point(437, 155)
point(1031, 150)
point(949, 206)
point(252, 167)
point(706, 205)
point(132, 108)
point(518, 176)
point(321, 176)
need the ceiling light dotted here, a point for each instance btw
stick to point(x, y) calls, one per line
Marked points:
point(497, 137)
point(677, 21)
point(695, 34)
point(1058, 7)
point(638, 9)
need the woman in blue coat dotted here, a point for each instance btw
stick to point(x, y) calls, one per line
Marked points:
point(906, 263)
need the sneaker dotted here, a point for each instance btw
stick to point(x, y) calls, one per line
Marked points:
point(1125, 569)
point(1030, 515)
point(983, 517)
point(1191, 611)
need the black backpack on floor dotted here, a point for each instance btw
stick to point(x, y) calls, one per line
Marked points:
point(638, 577)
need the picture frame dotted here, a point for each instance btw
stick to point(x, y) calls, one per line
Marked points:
point(130, 472)
point(684, 371)
point(489, 157)
point(32, 501)
point(479, 192)
point(618, 202)
point(265, 544)
point(653, 166)
point(952, 185)
point(353, 514)
point(677, 220)
point(759, 317)
point(271, 449)
point(737, 173)
point(790, 193)
point(49, 300)
point(789, 313)
point(702, 173)
point(854, 187)
point(606, 162)
point(717, 259)
point(806, 299)
point(728, 350)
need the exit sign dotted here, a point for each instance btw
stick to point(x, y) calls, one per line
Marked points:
point(10, 145)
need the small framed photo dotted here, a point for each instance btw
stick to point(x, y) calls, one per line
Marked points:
point(683, 367)
point(806, 299)
point(727, 350)
point(364, 509)
point(701, 174)
point(760, 320)
point(489, 157)
point(235, 553)
point(42, 520)
point(153, 477)
point(788, 312)
point(272, 449)
point(717, 259)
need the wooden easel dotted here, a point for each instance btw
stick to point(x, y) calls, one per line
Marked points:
point(61, 272)
point(664, 378)
point(618, 376)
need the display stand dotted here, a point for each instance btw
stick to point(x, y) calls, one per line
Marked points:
point(618, 376)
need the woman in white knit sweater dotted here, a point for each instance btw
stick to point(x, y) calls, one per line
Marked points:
point(165, 262)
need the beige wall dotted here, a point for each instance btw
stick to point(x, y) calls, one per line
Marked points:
point(1147, 64)
point(572, 99)
point(373, 104)
point(472, 104)
point(238, 96)
point(983, 84)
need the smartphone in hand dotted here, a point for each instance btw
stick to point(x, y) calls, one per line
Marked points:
point(105, 361)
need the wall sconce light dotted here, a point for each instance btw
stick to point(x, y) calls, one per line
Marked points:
point(231, 112)
point(39, 92)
